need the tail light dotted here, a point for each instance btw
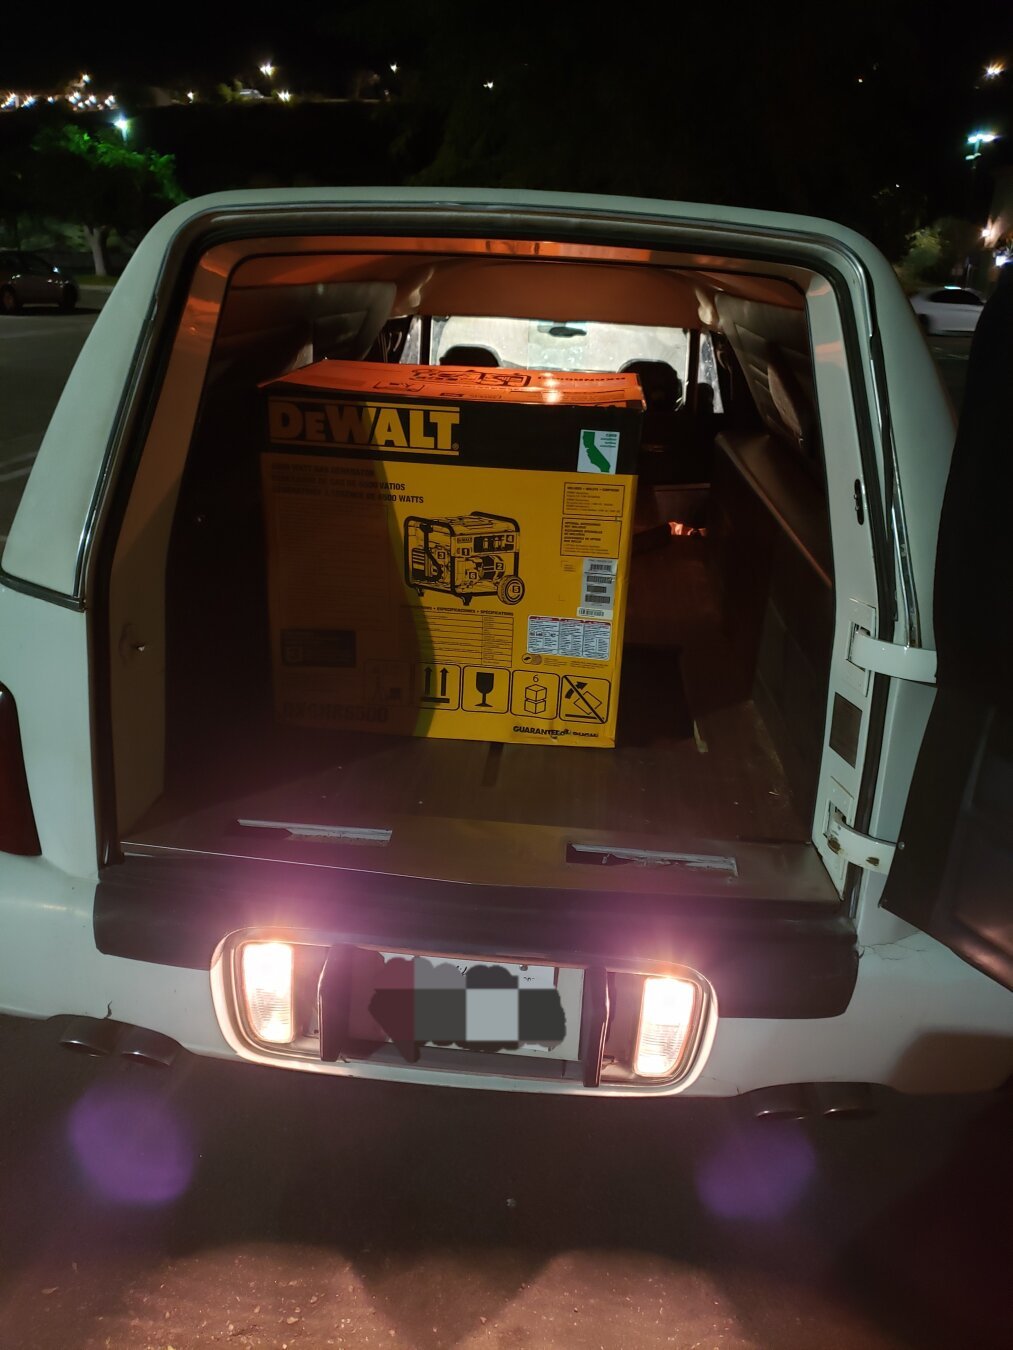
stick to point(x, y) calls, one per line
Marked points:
point(667, 1012)
point(267, 991)
point(17, 820)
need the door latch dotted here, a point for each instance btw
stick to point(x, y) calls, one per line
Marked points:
point(874, 855)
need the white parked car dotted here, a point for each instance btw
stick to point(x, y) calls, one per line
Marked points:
point(722, 904)
point(948, 309)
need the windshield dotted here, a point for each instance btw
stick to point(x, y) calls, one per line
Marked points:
point(537, 344)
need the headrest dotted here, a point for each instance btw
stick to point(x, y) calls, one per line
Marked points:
point(469, 356)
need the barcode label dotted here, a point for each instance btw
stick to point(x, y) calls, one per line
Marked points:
point(598, 593)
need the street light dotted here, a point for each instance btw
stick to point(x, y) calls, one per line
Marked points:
point(979, 138)
point(284, 96)
point(121, 124)
point(994, 70)
point(267, 69)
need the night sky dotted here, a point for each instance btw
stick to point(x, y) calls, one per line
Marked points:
point(860, 111)
point(319, 43)
point(190, 42)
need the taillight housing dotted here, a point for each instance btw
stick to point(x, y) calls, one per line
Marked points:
point(668, 1017)
point(17, 819)
point(267, 990)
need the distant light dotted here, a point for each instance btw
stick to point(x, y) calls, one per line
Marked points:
point(487, 84)
point(951, 288)
point(121, 124)
point(982, 137)
point(995, 69)
point(86, 79)
point(267, 69)
point(51, 99)
point(111, 101)
point(860, 80)
point(92, 98)
point(28, 101)
point(189, 94)
point(1001, 259)
point(74, 98)
point(284, 95)
point(986, 232)
point(393, 66)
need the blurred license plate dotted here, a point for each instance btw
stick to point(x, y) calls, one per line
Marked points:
point(449, 1002)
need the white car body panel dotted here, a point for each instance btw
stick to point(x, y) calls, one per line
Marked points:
point(946, 316)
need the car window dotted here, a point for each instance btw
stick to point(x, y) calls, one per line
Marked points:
point(969, 298)
point(34, 265)
point(945, 297)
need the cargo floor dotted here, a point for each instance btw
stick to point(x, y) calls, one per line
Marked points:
point(694, 773)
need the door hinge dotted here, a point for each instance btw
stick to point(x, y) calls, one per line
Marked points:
point(874, 855)
point(890, 658)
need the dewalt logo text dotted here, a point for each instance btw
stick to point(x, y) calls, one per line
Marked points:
point(391, 427)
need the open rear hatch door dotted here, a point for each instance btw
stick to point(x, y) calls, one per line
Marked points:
point(953, 875)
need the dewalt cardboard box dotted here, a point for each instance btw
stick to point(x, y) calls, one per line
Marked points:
point(448, 549)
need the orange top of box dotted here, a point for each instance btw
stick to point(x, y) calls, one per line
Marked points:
point(496, 384)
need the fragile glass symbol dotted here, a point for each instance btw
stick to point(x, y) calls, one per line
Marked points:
point(484, 682)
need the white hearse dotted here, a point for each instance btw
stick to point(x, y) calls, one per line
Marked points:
point(753, 892)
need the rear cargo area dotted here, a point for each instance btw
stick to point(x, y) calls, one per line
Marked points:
point(696, 771)
point(709, 790)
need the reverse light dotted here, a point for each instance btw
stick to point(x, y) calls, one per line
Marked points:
point(267, 990)
point(667, 1012)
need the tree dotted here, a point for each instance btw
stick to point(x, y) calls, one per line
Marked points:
point(100, 183)
point(945, 251)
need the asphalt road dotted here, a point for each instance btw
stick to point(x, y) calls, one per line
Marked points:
point(217, 1204)
point(37, 350)
point(225, 1205)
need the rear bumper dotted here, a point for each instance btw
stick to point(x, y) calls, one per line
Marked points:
point(918, 1019)
point(796, 961)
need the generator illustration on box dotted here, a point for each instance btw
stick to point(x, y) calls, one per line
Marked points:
point(464, 556)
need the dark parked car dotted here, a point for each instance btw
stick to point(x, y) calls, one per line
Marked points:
point(27, 279)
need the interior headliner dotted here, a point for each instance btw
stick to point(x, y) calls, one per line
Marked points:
point(647, 290)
